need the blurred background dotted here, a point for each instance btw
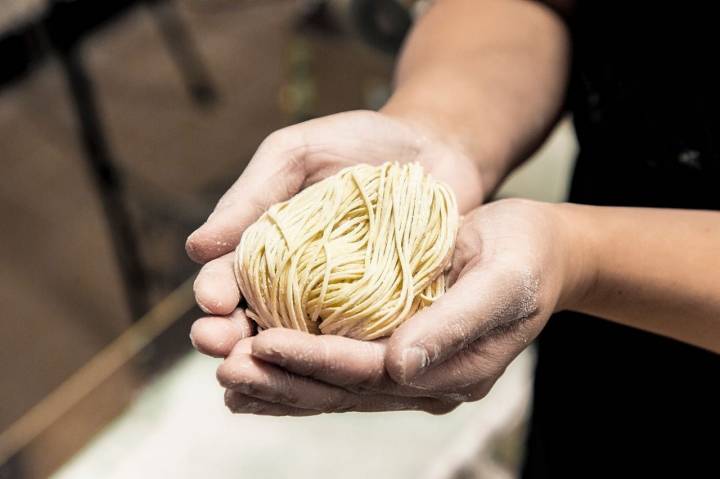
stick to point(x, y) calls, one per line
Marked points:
point(121, 123)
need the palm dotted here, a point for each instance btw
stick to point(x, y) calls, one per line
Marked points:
point(289, 160)
point(337, 141)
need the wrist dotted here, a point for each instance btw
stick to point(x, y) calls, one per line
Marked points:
point(458, 135)
point(579, 252)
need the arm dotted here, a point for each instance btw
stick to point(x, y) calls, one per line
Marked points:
point(479, 84)
point(652, 269)
point(489, 75)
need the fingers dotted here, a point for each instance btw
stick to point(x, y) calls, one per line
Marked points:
point(480, 301)
point(250, 377)
point(331, 359)
point(359, 365)
point(239, 403)
point(243, 404)
point(216, 336)
point(216, 290)
point(355, 365)
point(470, 374)
point(217, 293)
point(467, 376)
point(274, 174)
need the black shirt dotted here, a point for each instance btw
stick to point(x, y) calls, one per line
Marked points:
point(611, 401)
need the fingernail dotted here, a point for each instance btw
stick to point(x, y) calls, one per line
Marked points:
point(272, 354)
point(415, 360)
point(192, 341)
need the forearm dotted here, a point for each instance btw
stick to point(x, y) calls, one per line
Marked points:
point(487, 75)
point(653, 269)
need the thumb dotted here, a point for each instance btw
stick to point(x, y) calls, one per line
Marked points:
point(274, 174)
point(480, 301)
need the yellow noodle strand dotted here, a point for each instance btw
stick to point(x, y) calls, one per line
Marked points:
point(355, 254)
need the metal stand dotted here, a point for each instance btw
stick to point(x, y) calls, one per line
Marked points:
point(183, 51)
point(108, 181)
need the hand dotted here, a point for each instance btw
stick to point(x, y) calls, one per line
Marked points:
point(287, 161)
point(513, 266)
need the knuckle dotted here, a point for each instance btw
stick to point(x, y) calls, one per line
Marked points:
point(318, 353)
point(374, 376)
point(276, 138)
point(251, 389)
point(284, 390)
point(289, 140)
point(461, 329)
point(327, 361)
point(233, 376)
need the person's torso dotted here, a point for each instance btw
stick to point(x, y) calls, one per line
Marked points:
point(645, 95)
point(610, 401)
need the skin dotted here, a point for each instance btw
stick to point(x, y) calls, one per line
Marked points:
point(503, 70)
